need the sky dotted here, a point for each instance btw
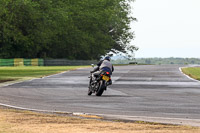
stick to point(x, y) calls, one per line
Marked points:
point(166, 28)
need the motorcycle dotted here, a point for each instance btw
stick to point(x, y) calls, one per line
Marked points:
point(98, 83)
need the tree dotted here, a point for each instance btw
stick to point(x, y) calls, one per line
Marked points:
point(64, 29)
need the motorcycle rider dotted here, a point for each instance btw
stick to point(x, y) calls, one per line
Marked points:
point(104, 65)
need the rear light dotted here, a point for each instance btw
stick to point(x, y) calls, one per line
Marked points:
point(107, 73)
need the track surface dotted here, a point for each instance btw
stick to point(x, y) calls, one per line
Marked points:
point(150, 91)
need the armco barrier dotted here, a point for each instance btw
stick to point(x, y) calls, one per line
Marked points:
point(44, 62)
point(18, 62)
point(40, 62)
point(27, 62)
point(34, 62)
point(21, 62)
point(65, 62)
point(6, 62)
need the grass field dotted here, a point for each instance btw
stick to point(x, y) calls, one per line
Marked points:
point(17, 73)
point(193, 72)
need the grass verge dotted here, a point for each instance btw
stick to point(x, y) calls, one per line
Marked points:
point(193, 72)
point(15, 121)
point(22, 73)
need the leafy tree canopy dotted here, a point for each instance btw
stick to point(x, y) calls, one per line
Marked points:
point(73, 29)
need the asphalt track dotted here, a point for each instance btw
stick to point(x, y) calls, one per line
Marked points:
point(148, 93)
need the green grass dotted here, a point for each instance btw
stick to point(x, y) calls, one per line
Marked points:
point(193, 72)
point(17, 73)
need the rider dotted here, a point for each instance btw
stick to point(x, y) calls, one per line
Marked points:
point(104, 65)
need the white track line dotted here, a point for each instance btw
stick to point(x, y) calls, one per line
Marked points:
point(164, 120)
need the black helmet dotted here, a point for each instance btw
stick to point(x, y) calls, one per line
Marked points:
point(107, 58)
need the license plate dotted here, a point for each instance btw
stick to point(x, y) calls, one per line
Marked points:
point(105, 78)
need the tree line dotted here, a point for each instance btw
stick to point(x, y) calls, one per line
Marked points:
point(157, 61)
point(171, 60)
point(72, 29)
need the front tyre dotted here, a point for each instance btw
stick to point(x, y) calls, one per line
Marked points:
point(102, 87)
point(89, 91)
point(89, 88)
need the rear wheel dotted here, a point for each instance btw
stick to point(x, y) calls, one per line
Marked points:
point(101, 88)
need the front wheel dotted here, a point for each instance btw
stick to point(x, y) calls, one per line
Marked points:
point(89, 91)
point(102, 87)
point(89, 88)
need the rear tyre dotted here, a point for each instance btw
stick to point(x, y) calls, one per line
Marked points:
point(101, 88)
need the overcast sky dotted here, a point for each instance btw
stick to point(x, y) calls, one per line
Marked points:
point(167, 28)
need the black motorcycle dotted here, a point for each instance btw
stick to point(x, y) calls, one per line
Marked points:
point(99, 82)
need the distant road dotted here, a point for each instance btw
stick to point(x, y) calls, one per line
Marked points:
point(151, 93)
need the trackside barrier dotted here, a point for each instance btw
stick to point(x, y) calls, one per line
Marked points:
point(6, 62)
point(21, 62)
point(18, 62)
point(40, 62)
point(27, 62)
point(34, 62)
point(65, 62)
point(45, 62)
